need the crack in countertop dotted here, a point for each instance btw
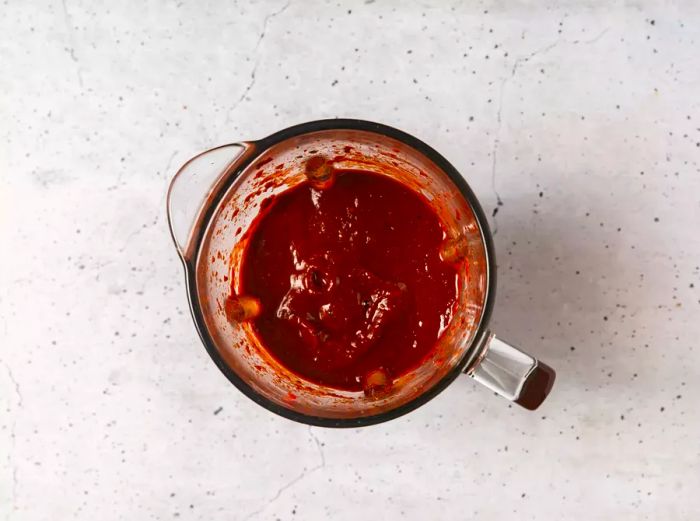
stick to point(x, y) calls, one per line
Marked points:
point(305, 473)
point(499, 112)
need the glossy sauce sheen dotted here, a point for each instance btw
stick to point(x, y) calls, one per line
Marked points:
point(349, 279)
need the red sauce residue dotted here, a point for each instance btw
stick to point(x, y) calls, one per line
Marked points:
point(350, 279)
point(266, 202)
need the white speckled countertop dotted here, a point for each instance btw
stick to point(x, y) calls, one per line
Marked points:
point(582, 117)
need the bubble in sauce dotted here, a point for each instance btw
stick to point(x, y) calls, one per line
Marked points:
point(320, 172)
point(453, 250)
point(376, 382)
point(239, 308)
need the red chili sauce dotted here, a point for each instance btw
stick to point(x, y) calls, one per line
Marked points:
point(349, 279)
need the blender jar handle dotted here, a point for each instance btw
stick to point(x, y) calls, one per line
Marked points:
point(192, 186)
point(513, 374)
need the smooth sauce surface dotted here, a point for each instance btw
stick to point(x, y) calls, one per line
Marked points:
point(349, 279)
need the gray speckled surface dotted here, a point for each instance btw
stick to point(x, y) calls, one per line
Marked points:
point(582, 117)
